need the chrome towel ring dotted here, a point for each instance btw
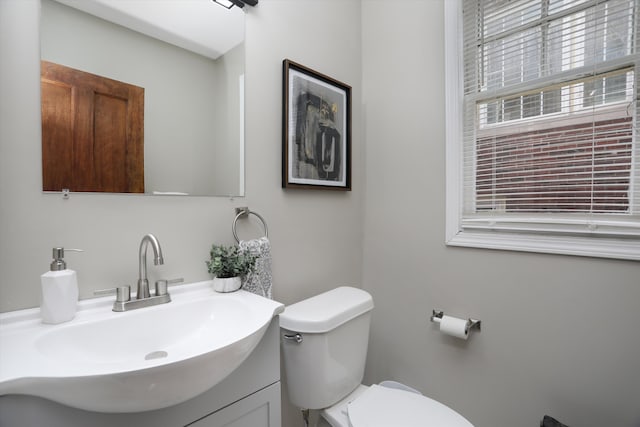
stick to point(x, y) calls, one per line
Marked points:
point(245, 212)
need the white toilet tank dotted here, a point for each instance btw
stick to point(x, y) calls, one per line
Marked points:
point(328, 363)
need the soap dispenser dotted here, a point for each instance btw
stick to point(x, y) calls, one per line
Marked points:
point(59, 290)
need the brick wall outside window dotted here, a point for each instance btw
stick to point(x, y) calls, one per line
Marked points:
point(577, 168)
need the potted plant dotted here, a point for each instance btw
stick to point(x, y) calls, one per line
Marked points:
point(228, 265)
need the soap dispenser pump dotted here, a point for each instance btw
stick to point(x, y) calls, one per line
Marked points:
point(59, 290)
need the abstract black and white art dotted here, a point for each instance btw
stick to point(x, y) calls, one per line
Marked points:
point(316, 149)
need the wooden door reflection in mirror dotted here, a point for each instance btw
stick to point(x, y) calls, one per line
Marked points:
point(92, 132)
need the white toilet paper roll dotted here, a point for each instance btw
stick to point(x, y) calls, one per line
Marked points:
point(454, 326)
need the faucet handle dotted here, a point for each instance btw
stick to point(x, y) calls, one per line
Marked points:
point(123, 293)
point(163, 284)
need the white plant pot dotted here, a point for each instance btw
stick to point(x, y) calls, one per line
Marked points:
point(227, 284)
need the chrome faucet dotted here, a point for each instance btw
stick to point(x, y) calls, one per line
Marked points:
point(143, 282)
point(143, 297)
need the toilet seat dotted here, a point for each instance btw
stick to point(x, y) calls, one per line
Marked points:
point(380, 406)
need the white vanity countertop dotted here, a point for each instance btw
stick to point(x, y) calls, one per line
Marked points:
point(101, 353)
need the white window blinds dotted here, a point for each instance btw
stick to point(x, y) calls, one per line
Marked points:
point(549, 117)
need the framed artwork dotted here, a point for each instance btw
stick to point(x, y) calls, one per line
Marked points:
point(316, 130)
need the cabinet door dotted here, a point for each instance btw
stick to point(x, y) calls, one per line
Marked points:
point(261, 409)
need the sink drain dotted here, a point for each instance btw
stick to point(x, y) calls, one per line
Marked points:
point(156, 355)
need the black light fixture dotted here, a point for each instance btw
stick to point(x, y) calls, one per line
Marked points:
point(240, 3)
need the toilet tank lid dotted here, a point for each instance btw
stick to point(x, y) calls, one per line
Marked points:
point(326, 311)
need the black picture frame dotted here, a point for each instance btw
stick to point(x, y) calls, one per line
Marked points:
point(316, 130)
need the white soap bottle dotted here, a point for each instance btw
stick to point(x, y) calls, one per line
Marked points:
point(59, 290)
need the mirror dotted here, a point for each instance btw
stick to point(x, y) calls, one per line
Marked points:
point(193, 104)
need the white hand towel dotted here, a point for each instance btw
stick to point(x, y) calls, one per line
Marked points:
point(258, 281)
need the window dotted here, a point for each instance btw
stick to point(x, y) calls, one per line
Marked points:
point(541, 114)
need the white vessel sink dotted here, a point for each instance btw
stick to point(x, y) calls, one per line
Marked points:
point(134, 361)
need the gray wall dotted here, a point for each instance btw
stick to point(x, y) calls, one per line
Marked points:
point(560, 333)
point(226, 174)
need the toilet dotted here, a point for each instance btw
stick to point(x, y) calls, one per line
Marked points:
point(324, 348)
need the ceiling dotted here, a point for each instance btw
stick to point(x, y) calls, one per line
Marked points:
point(200, 26)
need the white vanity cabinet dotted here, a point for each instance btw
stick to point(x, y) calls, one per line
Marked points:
point(261, 409)
point(248, 397)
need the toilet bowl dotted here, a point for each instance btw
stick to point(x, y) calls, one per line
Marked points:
point(324, 347)
point(379, 406)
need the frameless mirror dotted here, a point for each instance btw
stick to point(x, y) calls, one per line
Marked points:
point(193, 131)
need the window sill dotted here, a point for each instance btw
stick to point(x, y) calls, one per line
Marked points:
point(626, 249)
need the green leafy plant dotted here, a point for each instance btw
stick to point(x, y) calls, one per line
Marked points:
point(229, 261)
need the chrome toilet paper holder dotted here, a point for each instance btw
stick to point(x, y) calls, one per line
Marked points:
point(436, 316)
